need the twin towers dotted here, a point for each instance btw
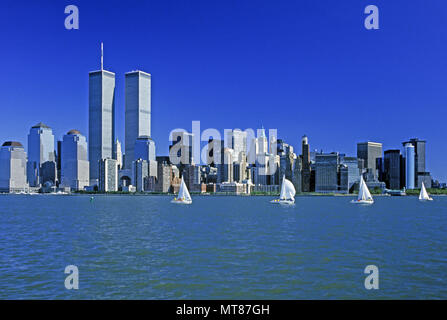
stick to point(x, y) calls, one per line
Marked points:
point(102, 140)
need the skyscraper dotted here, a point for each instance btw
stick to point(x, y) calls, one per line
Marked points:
point(392, 168)
point(326, 172)
point(237, 140)
point(138, 111)
point(181, 151)
point(108, 175)
point(262, 142)
point(119, 154)
point(409, 166)
point(353, 171)
point(12, 167)
point(74, 162)
point(420, 175)
point(101, 134)
point(216, 157)
point(228, 165)
point(40, 150)
point(306, 170)
point(370, 152)
point(144, 148)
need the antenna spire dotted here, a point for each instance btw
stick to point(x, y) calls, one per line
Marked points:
point(102, 56)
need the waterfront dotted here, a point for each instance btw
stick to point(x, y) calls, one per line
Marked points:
point(137, 247)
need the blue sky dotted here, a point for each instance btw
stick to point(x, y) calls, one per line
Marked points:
point(303, 67)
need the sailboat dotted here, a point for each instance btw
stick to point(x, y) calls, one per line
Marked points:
point(423, 196)
point(364, 194)
point(287, 195)
point(183, 195)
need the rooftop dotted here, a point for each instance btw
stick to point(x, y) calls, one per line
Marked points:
point(73, 132)
point(41, 125)
point(12, 144)
point(137, 71)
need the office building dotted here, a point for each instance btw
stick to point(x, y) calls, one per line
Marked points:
point(137, 111)
point(119, 154)
point(326, 172)
point(140, 174)
point(181, 151)
point(48, 173)
point(353, 171)
point(262, 143)
point(305, 163)
point(296, 174)
point(74, 162)
point(391, 164)
point(101, 134)
point(343, 179)
point(144, 148)
point(240, 168)
point(13, 167)
point(108, 175)
point(40, 150)
point(409, 166)
point(228, 165)
point(216, 158)
point(370, 152)
point(420, 175)
point(237, 140)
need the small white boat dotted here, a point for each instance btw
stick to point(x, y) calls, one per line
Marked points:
point(423, 196)
point(364, 194)
point(183, 196)
point(287, 195)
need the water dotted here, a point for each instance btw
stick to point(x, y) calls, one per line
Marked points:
point(221, 247)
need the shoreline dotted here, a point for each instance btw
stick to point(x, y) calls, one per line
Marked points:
point(311, 194)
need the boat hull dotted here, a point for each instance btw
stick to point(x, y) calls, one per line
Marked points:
point(423, 200)
point(366, 202)
point(181, 201)
point(284, 202)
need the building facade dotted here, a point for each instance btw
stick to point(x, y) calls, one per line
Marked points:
point(144, 148)
point(101, 134)
point(391, 163)
point(119, 154)
point(181, 151)
point(420, 175)
point(75, 168)
point(353, 171)
point(13, 167)
point(370, 152)
point(40, 150)
point(137, 111)
point(237, 140)
point(108, 175)
point(326, 172)
point(409, 166)
point(305, 163)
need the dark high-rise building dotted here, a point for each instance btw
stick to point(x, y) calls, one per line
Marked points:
point(369, 152)
point(216, 157)
point(392, 169)
point(326, 172)
point(58, 158)
point(306, 169)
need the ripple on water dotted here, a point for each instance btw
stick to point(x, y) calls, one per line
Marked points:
point(129, 247)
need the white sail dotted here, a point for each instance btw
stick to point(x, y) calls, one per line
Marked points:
point(283, 188)
point(287, 190)
point(183, 192)
point(423, 195)
point(364, 193)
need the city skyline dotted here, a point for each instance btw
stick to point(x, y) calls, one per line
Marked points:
point(286, 105)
